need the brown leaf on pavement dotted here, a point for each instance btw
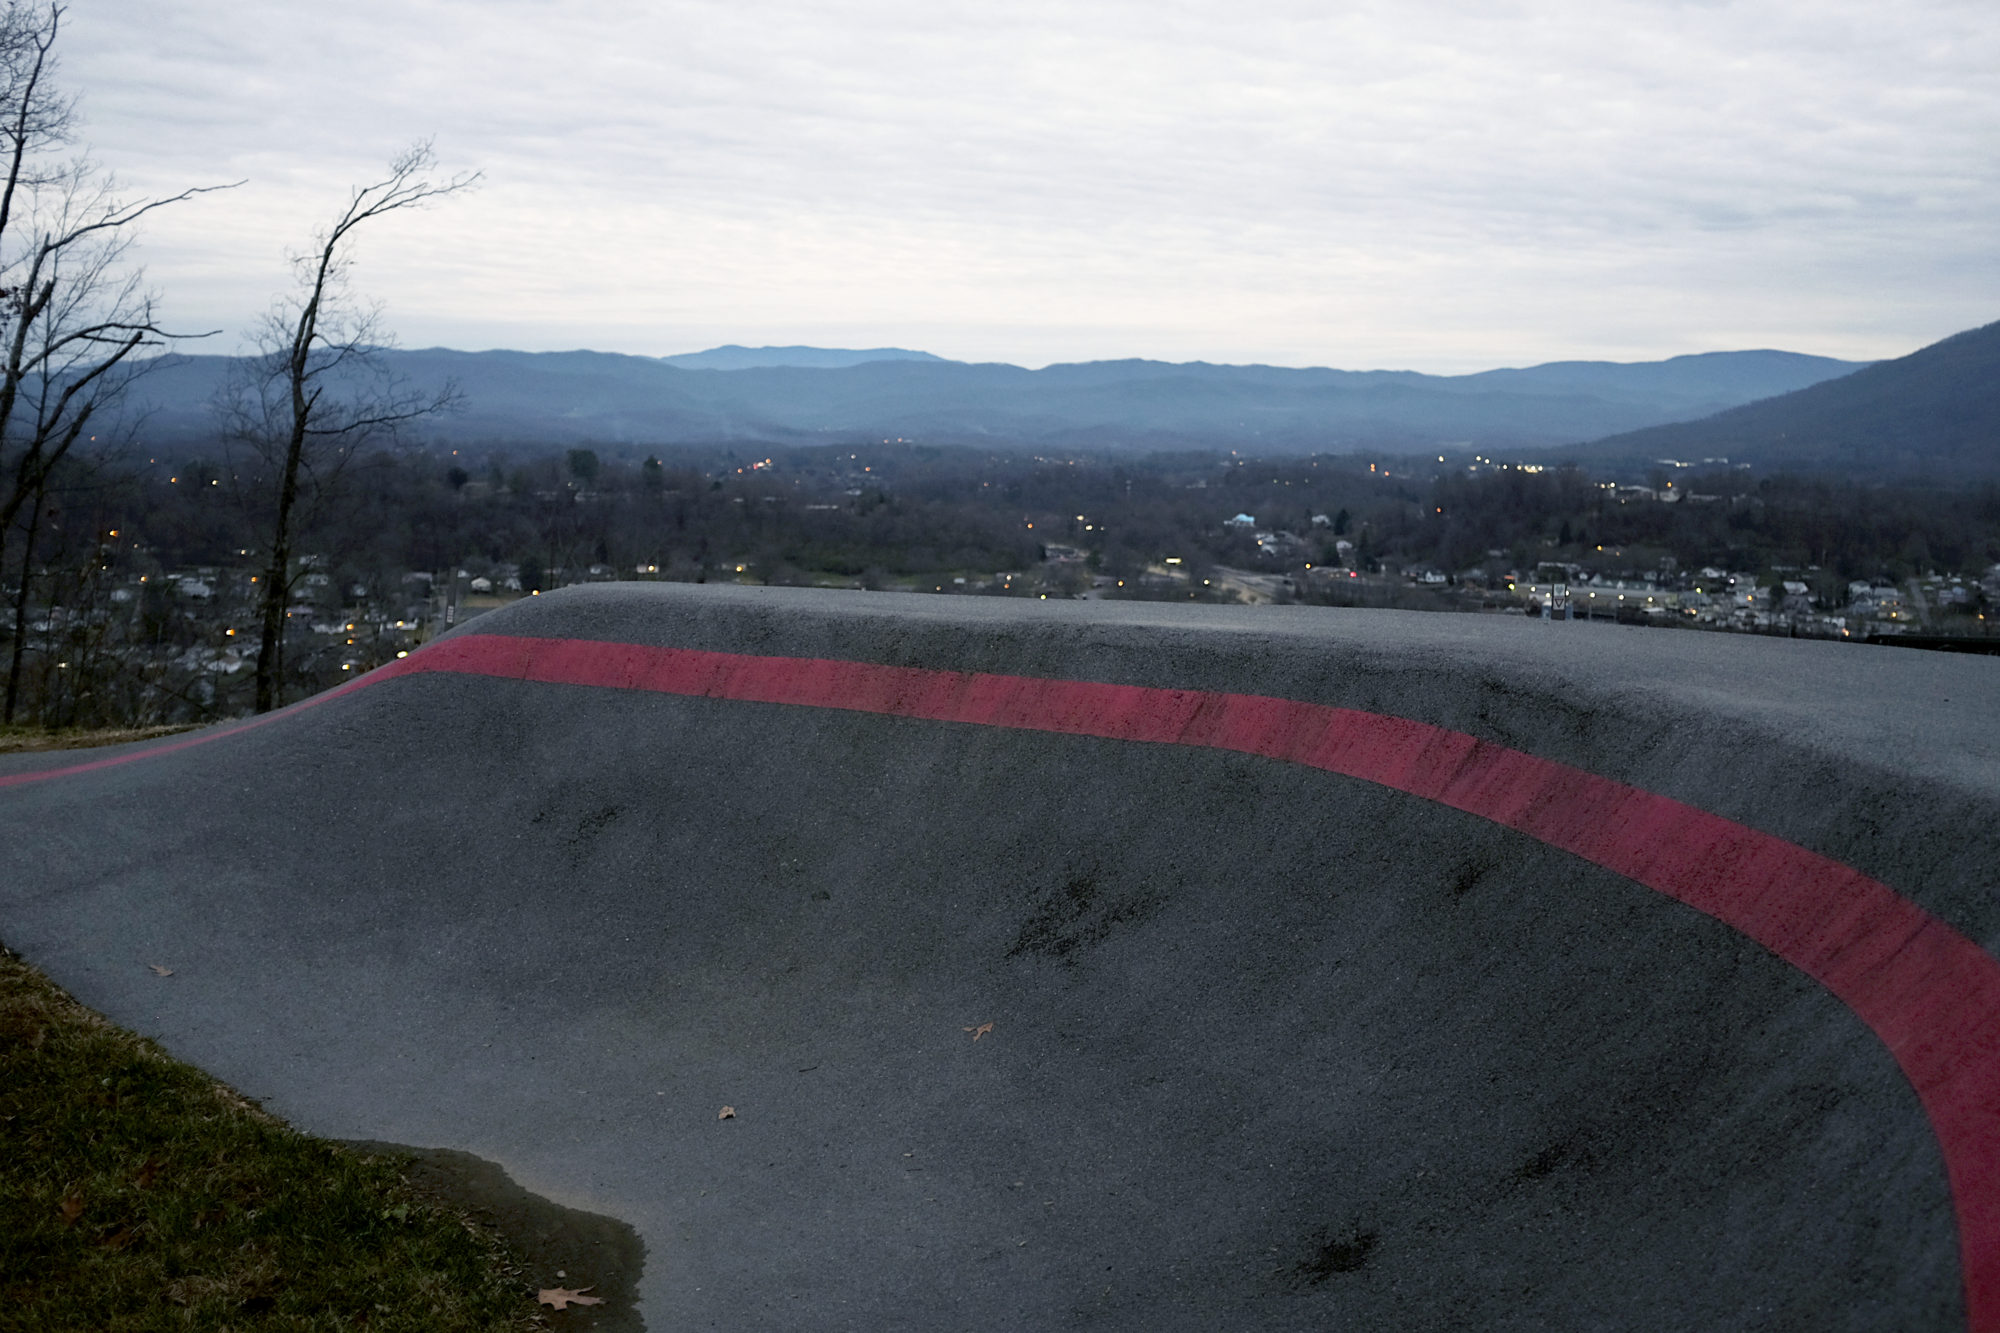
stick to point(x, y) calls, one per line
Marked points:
point(980, 1031)
point(161, 971)
point(726, 1113)
point(562, 1298)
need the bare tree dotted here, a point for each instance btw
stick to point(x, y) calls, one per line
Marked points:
point(72, 310)
point(317, 387)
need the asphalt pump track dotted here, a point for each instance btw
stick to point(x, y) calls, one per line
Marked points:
point(1106, 965)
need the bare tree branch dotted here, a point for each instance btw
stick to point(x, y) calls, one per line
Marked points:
point(126, 215)
point(35, 118)
point(72, 312)
point(310, 391)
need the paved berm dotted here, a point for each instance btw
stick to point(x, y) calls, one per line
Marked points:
point(1037, 1011)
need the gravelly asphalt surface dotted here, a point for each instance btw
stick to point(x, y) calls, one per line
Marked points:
point(1271, 1048)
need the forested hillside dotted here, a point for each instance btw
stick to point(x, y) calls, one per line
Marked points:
point(1934, 413)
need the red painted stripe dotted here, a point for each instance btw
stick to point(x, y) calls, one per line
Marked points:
point(1929, 993)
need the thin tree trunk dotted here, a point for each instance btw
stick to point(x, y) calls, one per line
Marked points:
point(270, 645)
point(21, 611)
point(270, 648)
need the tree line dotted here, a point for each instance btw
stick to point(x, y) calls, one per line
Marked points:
point(405, 525)
point(847, 512)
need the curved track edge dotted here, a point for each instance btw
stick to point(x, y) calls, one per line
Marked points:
point(1930, 994)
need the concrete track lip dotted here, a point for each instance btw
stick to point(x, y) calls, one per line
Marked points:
point(1931, 995)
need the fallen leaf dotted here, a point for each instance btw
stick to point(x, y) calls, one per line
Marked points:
point(980, 1031)
point(562, 1298)
point(71, 1207)
point(726, 1113)
point(118, 1239)
point(148, 1173)
point(161, 971)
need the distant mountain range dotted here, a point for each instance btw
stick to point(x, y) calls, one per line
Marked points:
point(1935, 411)
point(562, 399)
point(732, 357)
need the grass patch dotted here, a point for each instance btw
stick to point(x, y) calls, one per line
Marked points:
point(136, 1193)
point(20, 740)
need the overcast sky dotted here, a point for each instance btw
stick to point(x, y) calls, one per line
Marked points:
point(1443, 186)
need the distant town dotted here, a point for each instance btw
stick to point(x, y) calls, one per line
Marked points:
point(142, 604)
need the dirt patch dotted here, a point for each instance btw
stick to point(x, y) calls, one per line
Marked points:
point(1068, 920)
point(1346, 1250)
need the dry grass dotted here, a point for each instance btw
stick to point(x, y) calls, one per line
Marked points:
point(22, 740)
point(136, 1193)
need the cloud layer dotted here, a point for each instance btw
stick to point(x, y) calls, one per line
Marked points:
point(1444, 186)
